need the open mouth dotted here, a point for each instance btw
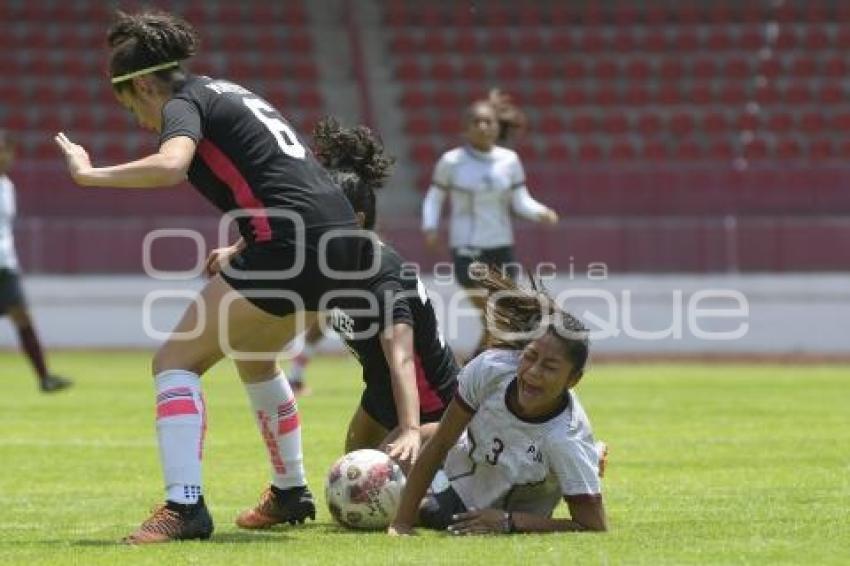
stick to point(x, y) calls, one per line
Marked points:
point(530, 390)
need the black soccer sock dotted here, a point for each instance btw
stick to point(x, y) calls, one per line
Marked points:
point(32, 348)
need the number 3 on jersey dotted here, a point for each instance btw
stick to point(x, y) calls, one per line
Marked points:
point(284, 135)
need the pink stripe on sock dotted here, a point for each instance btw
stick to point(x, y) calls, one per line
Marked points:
point(288, 424)
point(176, 408)
point(203, 426)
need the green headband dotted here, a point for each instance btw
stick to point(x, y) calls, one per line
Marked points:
point(140, 72)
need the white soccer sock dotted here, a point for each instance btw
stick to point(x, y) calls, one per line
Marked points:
point(277, 418)
point(180, 427)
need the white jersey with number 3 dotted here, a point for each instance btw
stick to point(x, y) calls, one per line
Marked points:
point(505, 462)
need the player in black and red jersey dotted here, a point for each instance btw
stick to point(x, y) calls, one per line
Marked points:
point(408, 369)
point(389, 325)
point(244, 157)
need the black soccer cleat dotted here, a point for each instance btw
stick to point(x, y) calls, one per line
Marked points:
point(52, 383)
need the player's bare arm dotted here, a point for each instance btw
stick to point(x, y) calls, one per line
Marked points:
point(433, 454)
point(166, 167)
point(397, 344)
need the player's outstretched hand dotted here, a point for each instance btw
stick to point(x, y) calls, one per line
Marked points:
point(475, 522)
point(399, 530)
point(404, 449)
point(550, 217)
point(76, 156)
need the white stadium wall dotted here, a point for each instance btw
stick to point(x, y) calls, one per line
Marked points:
point(640, 315)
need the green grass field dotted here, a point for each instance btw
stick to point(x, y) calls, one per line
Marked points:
point(710, 464)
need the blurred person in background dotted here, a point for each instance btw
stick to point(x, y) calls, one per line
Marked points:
point(12, 300)
point(485, 182)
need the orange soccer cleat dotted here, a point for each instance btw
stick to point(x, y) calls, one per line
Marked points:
point(277, 506)
point(174, 521)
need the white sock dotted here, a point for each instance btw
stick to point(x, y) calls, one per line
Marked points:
point(300, 362)
point(277, 418)
point(180, 427)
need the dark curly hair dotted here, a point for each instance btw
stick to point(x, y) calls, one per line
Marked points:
point(356, 161)
point(146, 39)
point(514, 316)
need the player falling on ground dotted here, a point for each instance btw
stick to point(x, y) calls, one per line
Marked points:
point(515, 440)
point(240, 153)
point(12, 300)
point(485, 182)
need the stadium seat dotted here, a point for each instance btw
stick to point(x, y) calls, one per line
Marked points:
point(812, 122)
point(654, 150)
point(788, 149)
point(714, 123)
point(622, 151)
point(589, 152)
point(820, 149)
point(780, 122)
point(649, 124)
point(557, 152)
point(582, 123)
point(681, 123)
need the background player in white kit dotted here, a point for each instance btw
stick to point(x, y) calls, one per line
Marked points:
point(12, 301)
point(515, 440)
point(486, 182)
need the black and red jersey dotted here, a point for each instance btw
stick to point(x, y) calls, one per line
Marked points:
point(396, 295)
point(250, 159)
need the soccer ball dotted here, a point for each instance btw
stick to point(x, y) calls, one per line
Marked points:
point(363, 489)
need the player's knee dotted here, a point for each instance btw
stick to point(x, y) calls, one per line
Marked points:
point(167, 358)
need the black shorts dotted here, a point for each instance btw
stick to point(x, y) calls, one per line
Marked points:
point(502, 257)
point(11, 292)
point(267, 275)
point(437, 509)
point(379, 403)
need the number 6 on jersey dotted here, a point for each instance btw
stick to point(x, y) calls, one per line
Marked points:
point(284, 135)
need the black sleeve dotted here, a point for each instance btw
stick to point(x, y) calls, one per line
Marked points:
point(180, 118)
point(394, 303)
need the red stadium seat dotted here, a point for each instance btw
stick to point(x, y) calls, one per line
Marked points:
point(821, 149)
point(638, 69)
point(835, 67)
point(668, 94)
point(409, 70)
point(582, 123)
point(787, 38)
point(788, 149)
point(681, 123)
point(671, 69)
point(770, 68)
point(575, 69)
point(542, 70)
point(527, 150)
point(590, 41)
point(804, 66)
point(434, 43)
point(623, 151)
point(562, 42)
point(755, 150)
point(472, 69)
point(732, 93)
point(841, 122)
point(688, 150)
point(737, 68)
point(508, 69)
point(655, 41)
point(442, 70)
point(842, 37)
point(830, 93)
point(498, 42)
point(624, 41)
point(542, 96)
point(714, 123)
point(557, 152)
point(780, 122)
point(414, 98)
point(649, 124)
point(747, 121)
point(550, 124)
point(704, 68)
point(752, 38)
point(606, 96)
point(615, 123)
point(530, 43)
point(575, 96)
point(812, 122)
point(418, 125)
point(605, 69)
point(721, 150)
point(718, 39)
point(798, 93)
point(464, 43)
point(637, 95)
point(816, 39)
point(654, 151)
point(767, 94)
point(684, 41)
point(590, 152)
point(424, 153)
